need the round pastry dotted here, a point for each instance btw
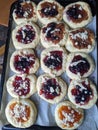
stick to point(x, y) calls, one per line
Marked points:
point(68, 116)
point(54, 33)
point(51, 89)
point(49, 11)
point(24, 61)
point(24, 11)
point(21, 86)
point(82, 93)
point(53, 60)
point(77, 14)
point(79, 65)
point(25, 35)
point(21, 113)
point(80, 40)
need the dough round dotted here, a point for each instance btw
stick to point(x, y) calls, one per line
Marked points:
point(79, 65)
point(24, 61)
point(67, 116)
point(21, 113)
point(77, 14)
point(53, 60)
point(25, 35)
point(82, 93)
point(25, 11)
point(21, 86)
point(49, 11)
point(51, 89)
point(54, 34)
point(80, 40)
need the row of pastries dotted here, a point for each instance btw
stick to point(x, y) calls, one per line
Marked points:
point(65, 47)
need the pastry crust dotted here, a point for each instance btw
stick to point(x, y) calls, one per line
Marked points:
point(56, 87)
point(24, 54)
point(16, 109)
point(79, 65)
point(26, 35)
point(68, 110)
point(57, 31)
point(54, 60)
point(77, 14)
point(86, 96)
point(25, 14)
point(21, 86)
point(80, 40)
point(51, 5)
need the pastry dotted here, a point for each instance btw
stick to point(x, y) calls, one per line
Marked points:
point(25, 35)
point(54, 34)
point(53, 60)
point(21, 113)
point(24, 61)
point(21, 86)
point(77, 14)
point(80, 40)
point(68, 116)
point(82, 93)
point(79, 65)
point(24, 11)
point(51, 89)
point(49, 11)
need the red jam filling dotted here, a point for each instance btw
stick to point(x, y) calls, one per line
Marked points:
point(82, 67)
point(50, 89)
point(25, 34)
point(54, 61)
point(23, 64)
point(49, 9)
point(54, 32)
point(24, 10)
point(82, 95)
point(21, 87)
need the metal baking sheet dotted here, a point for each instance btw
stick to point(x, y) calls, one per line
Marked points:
point(7, 73)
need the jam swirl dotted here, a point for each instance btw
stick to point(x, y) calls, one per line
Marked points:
point(25, 34)
point(54, 32)
point(23, 64)
point(81, 67)
point(54, 60)
point(21, 87)
point(50, 88)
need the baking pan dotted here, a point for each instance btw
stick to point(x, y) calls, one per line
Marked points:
point(5, 72)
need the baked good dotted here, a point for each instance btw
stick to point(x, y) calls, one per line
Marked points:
point(53, 60)
point(51, 89)
point(77, 14)
point(54, 34)
point(79, 65)
point(21, 113)
point(25, 35)
point(68, 116)
point(49, 11)
point(21, 86)
point(80, 40)
point(24, 61)
point(82, 93)
point(24, 11)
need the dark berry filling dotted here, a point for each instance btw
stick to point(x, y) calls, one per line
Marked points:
point(50, 89)
point(49, 9)
point(82, 94)
point(54, 60)
point(21, 87)
point(54, 32)
point(24, 10)
point(23, 64)
point(25, 34)
point(81, 67)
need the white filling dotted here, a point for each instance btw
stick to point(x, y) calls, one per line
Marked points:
point(77, 62)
